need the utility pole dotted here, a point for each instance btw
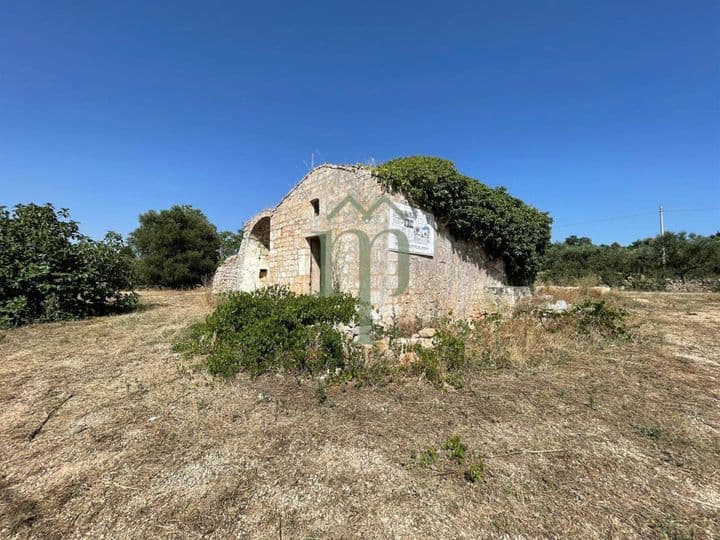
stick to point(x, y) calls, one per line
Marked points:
point(662, 221)
point(662, 233)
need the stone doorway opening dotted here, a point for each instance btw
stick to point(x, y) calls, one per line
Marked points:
point(316, 266)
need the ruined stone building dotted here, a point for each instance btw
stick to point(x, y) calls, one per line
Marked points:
point(321, 230)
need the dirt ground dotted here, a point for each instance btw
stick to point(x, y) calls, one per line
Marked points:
point(103, 435)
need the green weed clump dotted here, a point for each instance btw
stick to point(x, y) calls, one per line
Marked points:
point(455, 449)
point(456, 453)
point(474, 472)
point(592, 318)
point(651, 432)
point(428, 458)
point(272, 329)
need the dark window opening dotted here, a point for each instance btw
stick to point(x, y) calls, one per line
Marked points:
point(263, 273)
point(316, 206)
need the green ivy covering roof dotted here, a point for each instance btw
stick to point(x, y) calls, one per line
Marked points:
point(505, 226)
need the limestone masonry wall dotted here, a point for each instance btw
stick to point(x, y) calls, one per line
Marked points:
point(460, 279)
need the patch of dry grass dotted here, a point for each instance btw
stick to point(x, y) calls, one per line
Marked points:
point(143, 449)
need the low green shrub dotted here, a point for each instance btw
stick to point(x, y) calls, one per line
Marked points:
point(651, 432)
point(590, 318)
point(447, 357)
point(598, 318)
point(272, 329)
point(530, 336)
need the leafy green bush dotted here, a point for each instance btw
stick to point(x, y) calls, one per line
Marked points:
point(597, 317)
point(272, 329)
point(177, 248)
point(49, 271)
point(504, 225)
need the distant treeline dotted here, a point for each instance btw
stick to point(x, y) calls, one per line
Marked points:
point(647, 263)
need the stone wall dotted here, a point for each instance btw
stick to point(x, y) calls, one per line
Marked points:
point(693, 285)
point(460, 279)
point(241, 272)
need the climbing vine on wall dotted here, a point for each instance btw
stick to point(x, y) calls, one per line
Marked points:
point(504, 225)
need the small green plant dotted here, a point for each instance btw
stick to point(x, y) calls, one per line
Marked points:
point(429, 366)
point(474, 472)
point(449, 345)
point(592, 400)
point(457, 453)
point(669, 529)
point(428, 458)
point(321, 392)
point(455, 449)
point(651, 432)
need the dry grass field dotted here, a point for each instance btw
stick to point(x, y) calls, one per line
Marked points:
point(104, 434)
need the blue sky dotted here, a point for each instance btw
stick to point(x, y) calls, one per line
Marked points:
point(593, 111)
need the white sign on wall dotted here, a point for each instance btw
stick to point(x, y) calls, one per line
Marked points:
point(418, 226)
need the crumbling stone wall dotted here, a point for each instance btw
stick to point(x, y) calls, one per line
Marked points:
point(460, 279)
point(241, 272)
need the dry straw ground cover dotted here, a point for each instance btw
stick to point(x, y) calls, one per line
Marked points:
point(103, 434)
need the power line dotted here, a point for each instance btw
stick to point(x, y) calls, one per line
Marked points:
point(709, 209)
point(640, 214)
point(603, 220)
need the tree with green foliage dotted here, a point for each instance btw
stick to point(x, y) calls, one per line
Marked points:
point(229, 243)
point(650, 261)
point(49, 271)
point(176, 248)
point(505, 226)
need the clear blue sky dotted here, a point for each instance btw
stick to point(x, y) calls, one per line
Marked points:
point(587, 110)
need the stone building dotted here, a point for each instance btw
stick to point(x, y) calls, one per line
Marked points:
point(433, 275)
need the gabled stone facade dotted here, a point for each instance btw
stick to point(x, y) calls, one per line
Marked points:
point(281, 247)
